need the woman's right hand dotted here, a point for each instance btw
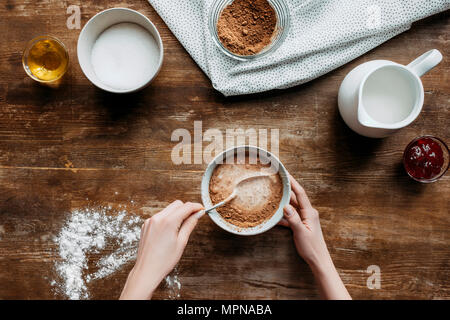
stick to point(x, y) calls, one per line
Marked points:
point(304, 222)
point(163, 239)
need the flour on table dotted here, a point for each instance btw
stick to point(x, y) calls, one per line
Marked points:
point(111, 238)
point(94, 232)
point(173, 284)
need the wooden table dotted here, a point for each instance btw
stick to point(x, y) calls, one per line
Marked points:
point(78, 147)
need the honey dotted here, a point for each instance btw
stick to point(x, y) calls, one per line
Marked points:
point(45, 59)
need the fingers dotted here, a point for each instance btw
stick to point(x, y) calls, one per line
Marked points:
point(201, 213)
point(177, 212)
point(293, 218)
point(293, 200)
point(171, 208)
point(283, 222)
point(186, 229)
point(300, 194)
point(186, 210)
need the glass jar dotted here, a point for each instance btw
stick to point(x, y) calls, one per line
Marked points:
point(281, 30)
point(426, 159)
point(45, 59)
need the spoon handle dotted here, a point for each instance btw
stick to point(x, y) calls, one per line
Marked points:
point(229, 198)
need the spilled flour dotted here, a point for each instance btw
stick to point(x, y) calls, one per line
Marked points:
point(173, 284)
point(87, 239)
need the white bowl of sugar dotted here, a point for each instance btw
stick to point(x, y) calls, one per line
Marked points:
point(120, 50)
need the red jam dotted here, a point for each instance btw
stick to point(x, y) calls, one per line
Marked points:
point(424, 159)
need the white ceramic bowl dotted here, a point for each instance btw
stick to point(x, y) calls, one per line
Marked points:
point(99, 23)
point(266, 225)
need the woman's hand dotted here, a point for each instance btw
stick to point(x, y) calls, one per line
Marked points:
point(163, 239)
point(304, 221)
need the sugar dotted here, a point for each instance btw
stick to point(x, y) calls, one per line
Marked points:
point(125, 56)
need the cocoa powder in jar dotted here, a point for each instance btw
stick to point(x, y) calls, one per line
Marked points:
point(246, 27)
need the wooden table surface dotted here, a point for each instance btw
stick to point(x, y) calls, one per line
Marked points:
point(76, 147)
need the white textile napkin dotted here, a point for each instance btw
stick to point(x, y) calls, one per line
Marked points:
point(323, 35)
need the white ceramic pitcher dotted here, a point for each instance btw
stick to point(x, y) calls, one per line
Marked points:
point(379, 97)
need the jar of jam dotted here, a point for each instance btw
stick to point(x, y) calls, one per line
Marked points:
point(426, 159)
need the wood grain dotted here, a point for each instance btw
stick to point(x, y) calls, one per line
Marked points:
point(120, 148)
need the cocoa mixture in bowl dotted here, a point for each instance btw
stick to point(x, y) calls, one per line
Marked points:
point(257, 200)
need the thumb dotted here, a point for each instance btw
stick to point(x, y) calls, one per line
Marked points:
point(187, 227)
point(293, 218)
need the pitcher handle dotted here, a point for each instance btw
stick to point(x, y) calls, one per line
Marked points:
point(426, 62)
